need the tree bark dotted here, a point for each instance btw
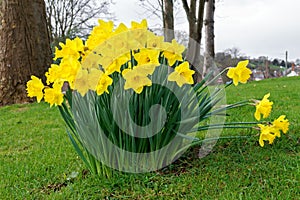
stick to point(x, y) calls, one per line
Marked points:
point(195, 13)
point(168, 20)
point(209, 37)
point(24, 47)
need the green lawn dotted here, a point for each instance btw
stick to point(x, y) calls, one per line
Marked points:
point(37, 160)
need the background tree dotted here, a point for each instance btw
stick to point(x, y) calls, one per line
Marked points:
point(168, 20)
point(152, 9)
point(165, 10)
point(24, 47)
point(67, 18)
point(224, 60)
point(234, 52)
point(282, 63)
point(195, 13)
point(275, 62)
point(209, 37)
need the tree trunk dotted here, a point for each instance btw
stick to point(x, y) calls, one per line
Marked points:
point(168, 20)
point(195, 13)
point(209, 37)
point(24, 47)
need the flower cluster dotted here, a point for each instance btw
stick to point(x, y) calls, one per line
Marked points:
point(271, 130)
point(133, 52)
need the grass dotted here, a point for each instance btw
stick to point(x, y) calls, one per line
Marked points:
point(37, 160)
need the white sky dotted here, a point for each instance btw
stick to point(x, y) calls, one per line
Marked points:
point(256, 27)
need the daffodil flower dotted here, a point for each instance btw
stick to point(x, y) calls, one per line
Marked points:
point(146, 56)
point(240, 73)
point(281, 123)
point(121, 29)
point(35, 88)
point(136, 79)
point(142, 25)
point(265, 134)
point(99, 34)
point(53, 74)
point(54, 96)
point(173, 52)
point(66, 71)
point(87, 80)
point(103, 84)
point(263, 107)
point(72, 48)
point(139, 31)
point(115, 66)
point(182, 74)
point(154, 41)
point(147, 59)
point(70, 68)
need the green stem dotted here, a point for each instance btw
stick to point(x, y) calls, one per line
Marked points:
point(231, 123)
point(221, 127)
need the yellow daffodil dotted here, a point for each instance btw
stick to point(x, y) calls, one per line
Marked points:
point(136, 25)
point(269, 132)
point(135, 79)
point(103, 84)
point(35, 88)
point(154, 41)
point(138, 32)
point(240, 73)
point(53, 74)
point(121, 29)
point(99, 34)
point(87, 80)
point(263, 107)
point(274, 130)
point(92, 60)
point(182, 74)
point(65, 71)
point(147, 59)
point(72, 48)
point(108, 56)
point(125, 39)
point(173, 52)
point(147, 56)
point(281, 123)
point(120, 44)
point(69, 70)
point(265, 134)
point(54, 96)
point(115, 66)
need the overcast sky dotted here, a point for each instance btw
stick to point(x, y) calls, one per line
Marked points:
point(256, 27)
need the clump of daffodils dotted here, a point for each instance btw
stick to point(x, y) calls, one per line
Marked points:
point(134, 54)
point(272, 130)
